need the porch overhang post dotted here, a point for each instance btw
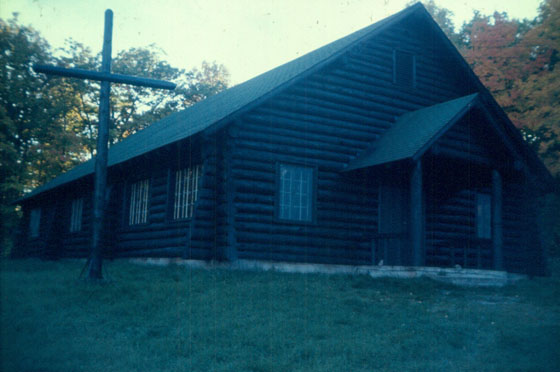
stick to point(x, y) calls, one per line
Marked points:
point(497, 231)
point(417, 214)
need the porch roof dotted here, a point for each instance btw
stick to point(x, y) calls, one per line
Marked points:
point(413, 133)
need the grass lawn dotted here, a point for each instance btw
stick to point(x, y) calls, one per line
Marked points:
point(147, 318)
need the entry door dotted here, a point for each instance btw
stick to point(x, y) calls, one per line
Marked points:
point(393, 223)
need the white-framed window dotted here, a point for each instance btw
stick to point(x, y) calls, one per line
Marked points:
point(404, 68)
point(76, 215)
point(186, 191)
point(483, 218)
point(139, 195)
point(295, 201)
point(35, 222)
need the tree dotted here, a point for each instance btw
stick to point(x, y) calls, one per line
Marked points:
point(134, 108)
point(516, 61)
point(538, 107)
point(33, 118)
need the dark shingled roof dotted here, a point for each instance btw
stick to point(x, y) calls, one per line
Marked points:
point(222, 106)
point(413, 133)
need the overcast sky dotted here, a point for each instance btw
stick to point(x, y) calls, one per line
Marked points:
point(248, 36)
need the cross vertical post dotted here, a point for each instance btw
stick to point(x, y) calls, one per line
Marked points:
point(100, 182)
point(101, 158)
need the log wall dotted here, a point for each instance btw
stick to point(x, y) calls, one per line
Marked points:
point(324, 122)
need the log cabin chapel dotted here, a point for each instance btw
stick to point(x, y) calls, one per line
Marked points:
point(382, 146)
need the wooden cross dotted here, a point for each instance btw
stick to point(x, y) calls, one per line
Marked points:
point(100, 183)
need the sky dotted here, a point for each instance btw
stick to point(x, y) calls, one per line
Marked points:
point(248, 36)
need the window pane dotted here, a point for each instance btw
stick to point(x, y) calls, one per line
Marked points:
point(76, 215)
point(295, 194)
point(483, 216)
point(139, 194)
point(186, 191)
point(34, 222)
point(403, 68)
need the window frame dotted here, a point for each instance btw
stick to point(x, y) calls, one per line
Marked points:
point(395, 80)
point(35, 228)
point(483, 216)
point(128, 199)
point(172, 185)
point(313, 196)
point(71, 225)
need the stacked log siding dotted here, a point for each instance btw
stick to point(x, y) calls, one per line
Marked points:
point(324, 122)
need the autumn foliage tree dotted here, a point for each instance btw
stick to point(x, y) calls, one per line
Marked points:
point(516, 60)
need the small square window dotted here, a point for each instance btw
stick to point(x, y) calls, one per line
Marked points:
point(76, 215)
point(483, 216)
point(139, 195)
point(186, 192)
point(404, 69)
point(295, 193)
point(35, 222)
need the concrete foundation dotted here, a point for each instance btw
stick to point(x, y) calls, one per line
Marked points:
point(457, 276)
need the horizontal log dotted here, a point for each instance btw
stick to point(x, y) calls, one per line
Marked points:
point(268, 175)
point(364, 211)
point(357, 89)
point(168, 225)
point(326, 111)
point(161, 252)
point(319, 133)
point(373, 80)
point(383, 93)
point(386, 42)
point(255, 209)
point(346, 196)
point(272, 155)
point(162, 234)
point(256, 187)
point(281, 114)
point(343, 106)
point(149, 244)
point(352, 103)
point(300, 254)
point(251, 198)
point(349, 218)
point(300, 138)
point(440, 229)
point(299, 153)
point(422, 87)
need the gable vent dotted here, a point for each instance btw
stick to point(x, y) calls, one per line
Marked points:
point(404, 68)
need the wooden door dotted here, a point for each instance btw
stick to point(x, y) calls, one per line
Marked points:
point(391, 242)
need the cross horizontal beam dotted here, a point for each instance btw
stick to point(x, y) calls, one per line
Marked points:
point(102, 76)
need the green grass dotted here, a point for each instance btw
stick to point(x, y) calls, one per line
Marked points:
point(147, 318)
